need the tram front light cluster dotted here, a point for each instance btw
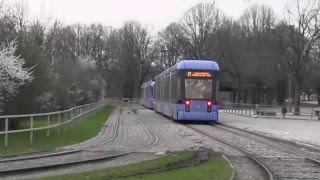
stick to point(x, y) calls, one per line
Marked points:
point(187, 105)
point(209, 105)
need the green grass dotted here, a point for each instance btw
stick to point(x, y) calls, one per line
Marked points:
point(215, 168)
point(87, 128)
point(38, 122)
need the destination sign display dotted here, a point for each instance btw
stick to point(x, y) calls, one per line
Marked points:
point(199, 74)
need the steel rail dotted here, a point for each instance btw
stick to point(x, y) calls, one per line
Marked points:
point(76, 162)
point(271, 175)
point(315, 160)
point(115, 132)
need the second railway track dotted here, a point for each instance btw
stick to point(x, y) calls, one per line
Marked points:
point(279, 161)
point(92, 152)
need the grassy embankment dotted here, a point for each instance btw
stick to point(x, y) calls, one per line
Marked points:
point(86, 129)
point(177, 165)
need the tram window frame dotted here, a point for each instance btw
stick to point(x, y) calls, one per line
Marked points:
point(152, 92)
point(162, 88)
point(166, 86)
point(203, 91)
point(174, 86)
point(141, 92)
point(157, 91)
point(214, 78)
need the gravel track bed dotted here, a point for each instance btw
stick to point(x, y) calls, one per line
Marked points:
point(83, 155)
point(86, 167)
point(106, 132)
point(132, 135)
point(175, 137)
point(283, 164)
point(246, 168)
point(311, 152)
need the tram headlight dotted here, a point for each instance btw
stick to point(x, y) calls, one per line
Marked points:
point(187, 105)
point(209, 105)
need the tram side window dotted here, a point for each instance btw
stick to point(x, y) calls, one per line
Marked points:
point(152, 92)
point(161, 88)
point(163, 81)
point(157, 89)
point(174, 86)
point(166, 87)
point(147, 92)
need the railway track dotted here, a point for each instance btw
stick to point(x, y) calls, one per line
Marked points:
point(250, 156)
point(278, 160)
point(310, 153)
point(81, 155)
point(64, 152)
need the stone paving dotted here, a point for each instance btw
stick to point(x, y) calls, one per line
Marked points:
point(133, 135)
point(302, 131)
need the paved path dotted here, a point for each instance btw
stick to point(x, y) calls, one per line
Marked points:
point(304, 131)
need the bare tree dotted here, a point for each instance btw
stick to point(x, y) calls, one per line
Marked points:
point(144, 54)
point(297, 35)
point(257, 19)
point(259, 55)
point(197, 27)
point(245, 50)
point(135, 44)
point(168, 47)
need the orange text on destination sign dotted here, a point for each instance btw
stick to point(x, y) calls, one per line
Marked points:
point(198, 74)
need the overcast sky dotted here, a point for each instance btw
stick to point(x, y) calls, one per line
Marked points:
point(156, 14)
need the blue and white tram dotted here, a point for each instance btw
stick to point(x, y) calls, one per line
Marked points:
point(188, 91)
point(147, 94)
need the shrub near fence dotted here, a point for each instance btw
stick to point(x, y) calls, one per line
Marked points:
point(46, 121)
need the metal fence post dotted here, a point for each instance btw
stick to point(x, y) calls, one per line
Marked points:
point(71, 120)
point(311, 113)
point(31, 129)
point(242, 111)
point(65, 120)
point(48, 124)
point(6, 131)
point(59, 122)
point(232, 109)
point(246, 110)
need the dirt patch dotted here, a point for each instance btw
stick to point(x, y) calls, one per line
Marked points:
point(200, 156)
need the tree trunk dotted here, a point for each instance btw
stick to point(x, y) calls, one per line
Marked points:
point(318, 95)
point(297, 89)
point(280, 92)
point(128, 86)
point(245, 96)
point(258, 95)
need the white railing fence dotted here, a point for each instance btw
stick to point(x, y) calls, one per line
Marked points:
point(46, 121)
point(250, 110)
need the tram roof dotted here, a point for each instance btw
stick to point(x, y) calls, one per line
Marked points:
point(193, 65)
